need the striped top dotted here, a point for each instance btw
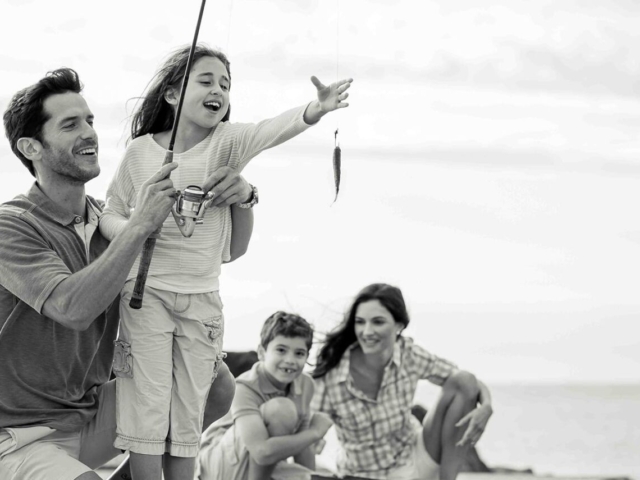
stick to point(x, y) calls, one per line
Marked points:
point(377, 436)
point(192, 265)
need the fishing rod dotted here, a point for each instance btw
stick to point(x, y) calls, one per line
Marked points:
point(150, 243)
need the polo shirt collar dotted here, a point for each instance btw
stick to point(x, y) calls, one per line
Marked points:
point(53, 210)
point(268, 388)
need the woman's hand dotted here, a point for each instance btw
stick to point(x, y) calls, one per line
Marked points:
point(477, 421)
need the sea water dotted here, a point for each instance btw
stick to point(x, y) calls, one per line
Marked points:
point(589, 430)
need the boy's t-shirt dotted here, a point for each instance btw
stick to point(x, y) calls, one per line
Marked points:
point(253, 388)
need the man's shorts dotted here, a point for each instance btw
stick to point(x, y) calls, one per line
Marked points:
point(66, 456)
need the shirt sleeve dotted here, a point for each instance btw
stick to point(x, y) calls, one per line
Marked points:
point(245, 402)
point(431, 367)
point(308, 388)
point(321, 401)
point(253, 138)
point(121, 196)
point(29, 268)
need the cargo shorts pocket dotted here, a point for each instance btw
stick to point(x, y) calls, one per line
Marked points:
point(215, 328)
point(122, 360)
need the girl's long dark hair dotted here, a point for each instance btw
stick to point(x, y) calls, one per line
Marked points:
point(155, 115)
point(339, 339)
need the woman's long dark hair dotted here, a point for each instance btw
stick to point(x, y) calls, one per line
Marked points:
point(155, 115)
point(339, 339)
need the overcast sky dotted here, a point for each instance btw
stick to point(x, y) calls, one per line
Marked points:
point(490, 161)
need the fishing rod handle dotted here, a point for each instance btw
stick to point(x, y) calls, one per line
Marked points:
point(143, 270)
point(147, 255)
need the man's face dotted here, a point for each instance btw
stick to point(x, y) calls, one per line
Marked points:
point(70, 144)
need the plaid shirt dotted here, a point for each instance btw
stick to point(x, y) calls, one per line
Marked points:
point(378, 435)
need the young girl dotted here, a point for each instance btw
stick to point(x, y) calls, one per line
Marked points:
point(168, 352)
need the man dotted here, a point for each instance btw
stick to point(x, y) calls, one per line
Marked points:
point(59, 285)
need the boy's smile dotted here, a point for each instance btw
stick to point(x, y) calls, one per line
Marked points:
point(284, 359)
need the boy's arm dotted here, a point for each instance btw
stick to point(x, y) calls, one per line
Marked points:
point(268, 451)
point(307, 458)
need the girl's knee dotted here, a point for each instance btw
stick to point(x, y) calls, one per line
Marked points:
point(463, 383)
point(280, 416)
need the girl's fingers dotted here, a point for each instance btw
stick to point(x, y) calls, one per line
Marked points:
point(317, 83)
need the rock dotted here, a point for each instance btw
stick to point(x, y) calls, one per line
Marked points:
point(240, 362)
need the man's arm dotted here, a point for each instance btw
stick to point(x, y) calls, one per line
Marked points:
point(78, 300)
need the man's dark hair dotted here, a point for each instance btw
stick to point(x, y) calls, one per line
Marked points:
point(25, 115)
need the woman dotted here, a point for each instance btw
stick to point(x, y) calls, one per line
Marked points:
point(366, 378)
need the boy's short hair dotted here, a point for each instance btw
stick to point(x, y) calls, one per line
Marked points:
point(288, 325)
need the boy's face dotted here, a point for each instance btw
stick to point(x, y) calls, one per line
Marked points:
point(284, 359)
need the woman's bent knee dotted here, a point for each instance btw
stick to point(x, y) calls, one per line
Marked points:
point(463, 383)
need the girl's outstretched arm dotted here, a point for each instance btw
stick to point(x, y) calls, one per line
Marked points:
point(330, 98)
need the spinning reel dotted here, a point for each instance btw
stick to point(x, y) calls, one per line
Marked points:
point(189, 209)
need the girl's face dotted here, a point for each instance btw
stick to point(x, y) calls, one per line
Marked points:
point(207, 98)
point(376, 329)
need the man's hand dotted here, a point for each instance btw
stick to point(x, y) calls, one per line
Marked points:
point(321, 423)
point(154, 200)
point(228, 187)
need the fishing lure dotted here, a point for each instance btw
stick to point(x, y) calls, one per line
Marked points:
point(337, 153)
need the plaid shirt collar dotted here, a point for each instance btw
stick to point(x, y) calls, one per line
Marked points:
point(343, 369)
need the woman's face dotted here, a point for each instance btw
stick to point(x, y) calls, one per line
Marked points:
point(375, 328)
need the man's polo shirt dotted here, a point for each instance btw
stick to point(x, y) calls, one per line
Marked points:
point(49, 372)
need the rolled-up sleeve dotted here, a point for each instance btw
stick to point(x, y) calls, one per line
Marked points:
point(29, 268)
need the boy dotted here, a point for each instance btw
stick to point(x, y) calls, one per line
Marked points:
point(270, 419)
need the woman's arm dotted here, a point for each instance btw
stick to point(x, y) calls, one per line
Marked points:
point(477, 418)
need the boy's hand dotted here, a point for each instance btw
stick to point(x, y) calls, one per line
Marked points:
point(331, 98)
point(321, 423)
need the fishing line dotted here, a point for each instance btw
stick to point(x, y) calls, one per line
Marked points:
point(337, 153)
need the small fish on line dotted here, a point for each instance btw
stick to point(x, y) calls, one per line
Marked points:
point(337, 154)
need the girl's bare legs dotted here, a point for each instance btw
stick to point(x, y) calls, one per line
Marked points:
point(146, 467)
point(458, 397)
point(178, 468)
point(218, 404)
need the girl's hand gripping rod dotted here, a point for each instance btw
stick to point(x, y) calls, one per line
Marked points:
point(150, 243)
